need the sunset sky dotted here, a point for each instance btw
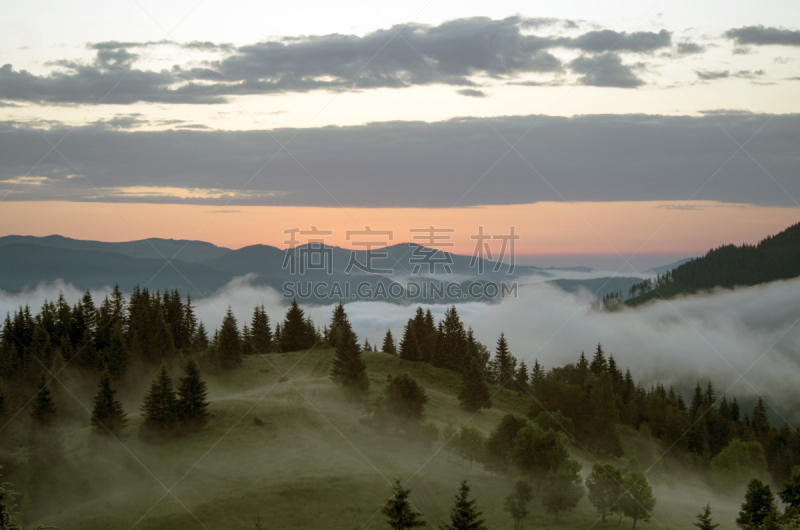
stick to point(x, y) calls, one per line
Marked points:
point(599, 130)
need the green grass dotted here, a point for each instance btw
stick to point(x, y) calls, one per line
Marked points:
point(296, 454)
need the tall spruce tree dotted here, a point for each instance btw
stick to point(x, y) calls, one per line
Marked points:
point(409, 347)
point(704, 521)
point(260, 331)
point(44, 408)
point(388, 343)
point(398, 511)
point(599, 363)
point(758, 510)
point(505, 362)
point(521, 378)
point(108, 416)
point(348, 369)
point(229, 347)
point(474, 393)
point(159, 409)
point(192, 402)
point(294, 331)
point(464, 515)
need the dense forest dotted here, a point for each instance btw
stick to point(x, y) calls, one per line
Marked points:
point(774, 258)
point(584, 405)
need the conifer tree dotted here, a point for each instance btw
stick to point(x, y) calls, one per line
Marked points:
point(521, 378)
point(294, 332)
point(192, 402)
point(260, 331)
point(704, 521)
point(108, 416)
point(759, 420)
point(200, 338)
point(388, 343)
point(599, 363)
point(409, 347)
point(159, 409)
point(758, 509)
point(474, 392)
point(790, 494)
point(537, 373)
point(340, 324)
point(398, 510)
point(464, 515)
point(348, 369)
point(44, 408)
point(229, 342)
point(505, 362)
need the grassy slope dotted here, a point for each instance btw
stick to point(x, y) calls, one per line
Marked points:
point(306, 462)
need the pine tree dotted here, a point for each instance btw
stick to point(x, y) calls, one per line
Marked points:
point(759, 420)
point(44, 408)
point(230, 342)
point(159, 408)
point(758, 508)
point(200, 338)
point(340, 324)
point(398, 510)
point(790, 494)
point(260, 331)
point(516, 504)
point(192, 402)
point(521, 378)
point(505, 362)
point(108, 416)
point(464, 515)
point(388, 343)
point(348, 369)
point(294, 332)
point(537, 373)
point(409, 347)
point(704, 521)
point(599, 363)
point(474, 393)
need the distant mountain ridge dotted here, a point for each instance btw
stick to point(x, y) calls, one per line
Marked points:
point(773, 258)
point(200, 268)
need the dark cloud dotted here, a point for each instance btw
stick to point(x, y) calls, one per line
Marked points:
point(764, 36)
point(689, 48)
point(605, 70)
point(749, 74)
point(453, 53)
point(394, 164)
point(708, 75)
point(471, 92)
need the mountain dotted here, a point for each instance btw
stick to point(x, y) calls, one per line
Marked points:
point(663, 269)
point(152, 248)
point(599, 287)
point(201, 268)
point(774, 258)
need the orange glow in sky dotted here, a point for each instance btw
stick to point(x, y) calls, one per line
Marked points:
point(545, 228)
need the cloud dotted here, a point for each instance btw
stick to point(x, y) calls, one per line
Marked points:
point(749, 74)
point(453, 53)
point(471, 92)
point(712, 75)
point(764, 36)
point(717, 336)
point(404, 164)
point(689, 48)
point(605, 70)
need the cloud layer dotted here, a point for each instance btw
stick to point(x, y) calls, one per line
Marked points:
point(458, 53)
point(465, 161)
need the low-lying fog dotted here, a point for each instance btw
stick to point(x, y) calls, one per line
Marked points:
point(749, 332)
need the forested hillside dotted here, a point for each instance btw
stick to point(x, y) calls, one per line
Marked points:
point(774, 258)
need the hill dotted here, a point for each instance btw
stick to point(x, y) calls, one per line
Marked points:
point(294, 452)
point(774, 258)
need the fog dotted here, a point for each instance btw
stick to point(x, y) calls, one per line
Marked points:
point(746, 332)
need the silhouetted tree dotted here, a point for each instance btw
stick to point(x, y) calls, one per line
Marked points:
point(159, 409)
point(704, 521)
point(192, 402)
point(229, 346)
point(348, 369)
point(44, 408)
point(474, 393)
point(108, 416)
point(464, 515)
point(398, 511)
point(388, 343)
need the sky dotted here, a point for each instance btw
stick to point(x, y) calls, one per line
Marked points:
point(603, 128)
